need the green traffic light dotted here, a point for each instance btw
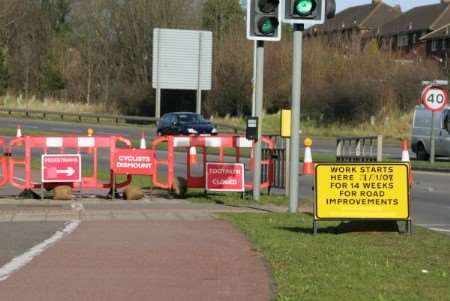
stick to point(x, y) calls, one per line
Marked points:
point(304, 7)
point(267, 26)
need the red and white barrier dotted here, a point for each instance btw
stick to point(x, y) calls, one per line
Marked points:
point(204, 142)
point(60, 144)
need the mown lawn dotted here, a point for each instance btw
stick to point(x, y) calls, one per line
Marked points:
point(356, 265)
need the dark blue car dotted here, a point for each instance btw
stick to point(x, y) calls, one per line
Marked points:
point(184, 123)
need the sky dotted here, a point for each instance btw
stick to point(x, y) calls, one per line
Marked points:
point(405, 4)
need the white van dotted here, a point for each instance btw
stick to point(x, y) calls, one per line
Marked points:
point(420, 140)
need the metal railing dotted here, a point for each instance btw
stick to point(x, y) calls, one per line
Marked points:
point(359, 149)
point(101, 117)
point(278, 157)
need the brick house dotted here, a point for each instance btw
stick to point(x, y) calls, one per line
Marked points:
point(404, 33)
point(354, 26)
point(437, 44)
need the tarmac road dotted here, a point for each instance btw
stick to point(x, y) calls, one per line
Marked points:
point(391, 151)
point(18, 237)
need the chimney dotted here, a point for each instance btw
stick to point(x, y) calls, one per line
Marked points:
point(376, 2)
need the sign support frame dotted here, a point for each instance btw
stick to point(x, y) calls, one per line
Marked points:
point(432, 139)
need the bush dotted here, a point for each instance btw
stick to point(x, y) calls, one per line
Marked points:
point(337, 83)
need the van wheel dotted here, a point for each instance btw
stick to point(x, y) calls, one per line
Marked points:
point(422, 153)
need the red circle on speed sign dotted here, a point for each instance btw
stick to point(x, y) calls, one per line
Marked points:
point(435, 98)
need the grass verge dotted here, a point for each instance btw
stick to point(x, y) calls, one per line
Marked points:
point(235, 199)
point(348, 266)
point(395, 126)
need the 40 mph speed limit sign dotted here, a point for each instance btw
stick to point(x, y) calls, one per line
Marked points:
point(435, 98)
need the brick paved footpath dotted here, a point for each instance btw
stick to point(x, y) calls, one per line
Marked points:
point(146, 251)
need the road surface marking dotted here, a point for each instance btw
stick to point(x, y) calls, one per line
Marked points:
point(65, 130)
point(23, 180)
point(77, 205)
point(20, 261)
point(440, 230)
point(431, 173)
point(27, 127)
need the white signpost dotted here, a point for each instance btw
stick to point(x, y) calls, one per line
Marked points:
point(435, 99)
point(182, 59)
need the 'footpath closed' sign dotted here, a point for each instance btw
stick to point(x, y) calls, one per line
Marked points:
point(225, 177)
point(362, 191)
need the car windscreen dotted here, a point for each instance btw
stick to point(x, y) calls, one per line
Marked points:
point(189, 118)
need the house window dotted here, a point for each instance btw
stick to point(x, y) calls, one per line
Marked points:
point(414, 39)
point(444, 45)
point(434, 45)
point(402, 40)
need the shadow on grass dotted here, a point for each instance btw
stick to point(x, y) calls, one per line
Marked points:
point(301, 230)
point(349, 227)
point(367, 226)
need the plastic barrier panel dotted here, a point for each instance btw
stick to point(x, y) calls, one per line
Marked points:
point(89, 146)
point(205, 143)
point(4, 164)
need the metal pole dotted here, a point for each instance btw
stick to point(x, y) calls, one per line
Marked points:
point(295, 119)
point(158, 84)
point(287, 171)
point(198, 107)
point(258, 110)
point(158, 103)
point(254, 79)
point(432, 139)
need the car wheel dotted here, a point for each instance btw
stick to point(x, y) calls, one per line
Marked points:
point(422, 154)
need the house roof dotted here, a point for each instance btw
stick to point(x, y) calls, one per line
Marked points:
point(369, 16)
point(422, 18)
point(440, 33)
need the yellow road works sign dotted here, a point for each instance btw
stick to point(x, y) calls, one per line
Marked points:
point(362, 191)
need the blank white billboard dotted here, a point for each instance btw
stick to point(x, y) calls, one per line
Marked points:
point(182, 59)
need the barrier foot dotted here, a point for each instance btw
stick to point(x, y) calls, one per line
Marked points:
point(117, 194)
point(29, 194)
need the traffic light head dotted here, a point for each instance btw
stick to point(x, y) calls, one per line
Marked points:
point(264, 20)
point(308, 12)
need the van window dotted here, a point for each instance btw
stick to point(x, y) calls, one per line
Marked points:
point(446, 117)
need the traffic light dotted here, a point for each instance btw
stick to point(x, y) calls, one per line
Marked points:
point(264, 20)
point(308, 12)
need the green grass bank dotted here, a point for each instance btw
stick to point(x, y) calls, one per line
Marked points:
point(344, 265)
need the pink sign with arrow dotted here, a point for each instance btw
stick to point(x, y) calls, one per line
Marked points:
point(61, 168)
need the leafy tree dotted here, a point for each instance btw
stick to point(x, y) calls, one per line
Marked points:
point(4, 73)
point(221, 16)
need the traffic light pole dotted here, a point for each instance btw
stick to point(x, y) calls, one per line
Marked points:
point(259, 112)
point(295, 131)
